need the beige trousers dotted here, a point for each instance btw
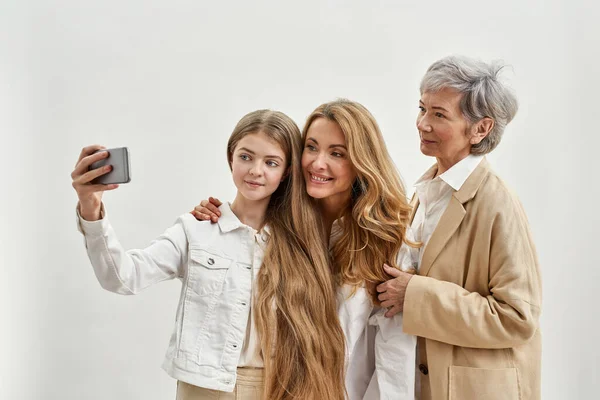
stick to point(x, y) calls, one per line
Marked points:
point(249, 386)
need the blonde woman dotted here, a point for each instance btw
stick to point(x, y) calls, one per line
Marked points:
point(241, 291)
point(349, 172)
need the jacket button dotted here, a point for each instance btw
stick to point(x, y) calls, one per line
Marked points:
point(211, 261)
point(423, 369)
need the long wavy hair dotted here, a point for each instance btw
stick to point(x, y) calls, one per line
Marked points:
point(295, 303)
point(373, 224)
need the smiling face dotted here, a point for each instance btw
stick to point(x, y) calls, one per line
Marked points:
point(258, 165)
point(444, 131)
point(326, 166)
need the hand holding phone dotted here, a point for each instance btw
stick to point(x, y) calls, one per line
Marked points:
point(98, 170)
point(118, 159)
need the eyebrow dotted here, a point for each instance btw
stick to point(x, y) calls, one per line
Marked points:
point(435, 107)
point(331, 145)
point(247, 150)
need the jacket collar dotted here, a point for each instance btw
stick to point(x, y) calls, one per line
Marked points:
point(453, 216)
point(228, 221)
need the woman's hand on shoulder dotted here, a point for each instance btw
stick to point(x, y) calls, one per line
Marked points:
point(207, 210)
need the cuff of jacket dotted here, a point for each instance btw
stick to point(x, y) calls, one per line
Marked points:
point(91, 228)
point(416, 294)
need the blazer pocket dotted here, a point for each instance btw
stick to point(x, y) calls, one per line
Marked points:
point(467, 383)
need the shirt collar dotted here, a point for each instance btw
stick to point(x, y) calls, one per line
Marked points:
point(228, 221)
point(456, 176)
point(459, 172)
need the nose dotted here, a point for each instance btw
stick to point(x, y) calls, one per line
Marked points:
point(423, 124)
point(256, 169)
point(319, 162)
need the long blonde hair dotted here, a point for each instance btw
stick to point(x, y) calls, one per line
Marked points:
point(372, 227)
point(296, 313)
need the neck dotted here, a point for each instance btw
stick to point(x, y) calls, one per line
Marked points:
point(331, 209)
point(444, 164)
point(250, 212)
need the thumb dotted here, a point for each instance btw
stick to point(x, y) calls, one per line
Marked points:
point(394, 272)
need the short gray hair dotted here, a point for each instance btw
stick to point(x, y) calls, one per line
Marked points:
point(483, 93)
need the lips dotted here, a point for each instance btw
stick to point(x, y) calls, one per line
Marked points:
point(254, 184)
point(319, 178)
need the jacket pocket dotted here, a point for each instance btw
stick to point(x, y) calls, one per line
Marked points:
point(206, 271)
point(208, 260)
point(467, 383)
point(202, 298)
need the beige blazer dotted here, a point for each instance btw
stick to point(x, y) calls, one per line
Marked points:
point(476, 302)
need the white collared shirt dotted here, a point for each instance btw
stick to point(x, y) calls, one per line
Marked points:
point(217, 264)
point(380, 357)
point(434, 196)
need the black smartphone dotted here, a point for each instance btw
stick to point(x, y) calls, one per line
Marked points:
point(121, 169)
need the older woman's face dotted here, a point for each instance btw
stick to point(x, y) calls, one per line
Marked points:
point(443, 130)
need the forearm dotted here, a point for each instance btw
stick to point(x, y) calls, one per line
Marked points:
point(129, 272)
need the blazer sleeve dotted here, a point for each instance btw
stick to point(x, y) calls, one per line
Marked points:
point(129, 272)
point(506, 317)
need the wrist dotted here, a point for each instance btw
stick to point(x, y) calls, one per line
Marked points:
point(90, 210)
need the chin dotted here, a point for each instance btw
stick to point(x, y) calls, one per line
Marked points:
point(254, 196)
point(315, 193)
point(427, 151)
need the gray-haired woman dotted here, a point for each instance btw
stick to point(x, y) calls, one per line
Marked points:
point(475, 303)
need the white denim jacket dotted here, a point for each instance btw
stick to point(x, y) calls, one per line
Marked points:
point(215, 263)
point(380, 357)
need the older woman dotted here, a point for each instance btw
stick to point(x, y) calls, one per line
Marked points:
point(476, 300)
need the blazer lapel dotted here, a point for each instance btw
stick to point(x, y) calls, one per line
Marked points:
point(452, 217)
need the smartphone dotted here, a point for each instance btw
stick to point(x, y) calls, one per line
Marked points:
point(121, 170)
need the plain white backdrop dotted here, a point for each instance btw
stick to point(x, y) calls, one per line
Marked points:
point(169, 79)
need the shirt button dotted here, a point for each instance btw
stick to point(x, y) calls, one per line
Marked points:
point(423, 368)
point(243, 303)
point(211, 261)
point(234, 346)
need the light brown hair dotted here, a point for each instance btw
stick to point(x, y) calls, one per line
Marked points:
point(296, 313)
point(372, 227)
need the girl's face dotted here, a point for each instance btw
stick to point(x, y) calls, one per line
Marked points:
point(327, 169)
point(258, 166)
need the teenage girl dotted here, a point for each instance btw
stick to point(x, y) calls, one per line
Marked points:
point(257, 314)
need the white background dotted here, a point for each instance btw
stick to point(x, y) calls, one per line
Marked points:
point(169, 79)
